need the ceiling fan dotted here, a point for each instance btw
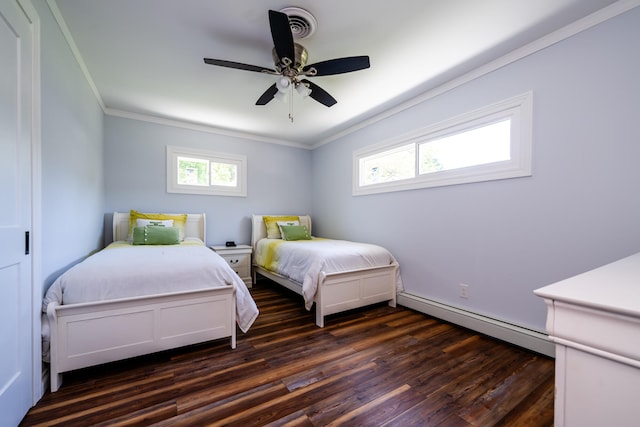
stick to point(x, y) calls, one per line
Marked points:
point(290, 61)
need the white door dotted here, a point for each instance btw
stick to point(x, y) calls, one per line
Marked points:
point(16, 346)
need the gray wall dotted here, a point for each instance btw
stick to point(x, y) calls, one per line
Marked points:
point(135, 172)
point(579, 210)
point(72, 157)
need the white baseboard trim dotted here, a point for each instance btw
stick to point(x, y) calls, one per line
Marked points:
point(517, 335)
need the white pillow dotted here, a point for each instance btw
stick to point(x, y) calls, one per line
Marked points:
point(157, 222)
point(281, 223)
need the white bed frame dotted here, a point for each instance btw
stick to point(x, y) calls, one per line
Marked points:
point(89, 334)
point(337, 292)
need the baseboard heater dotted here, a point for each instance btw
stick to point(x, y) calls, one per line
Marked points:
point(517, 335)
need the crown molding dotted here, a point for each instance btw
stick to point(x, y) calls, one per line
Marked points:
point(199, 127)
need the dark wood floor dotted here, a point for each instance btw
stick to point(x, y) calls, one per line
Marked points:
point(375, 367)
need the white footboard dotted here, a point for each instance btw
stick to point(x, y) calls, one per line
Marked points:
point(338, 292)
point(343, 291)
point(90, 334)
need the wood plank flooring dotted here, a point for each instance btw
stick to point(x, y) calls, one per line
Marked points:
point(379, 366)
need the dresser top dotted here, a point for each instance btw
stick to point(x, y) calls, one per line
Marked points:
point(613, 287)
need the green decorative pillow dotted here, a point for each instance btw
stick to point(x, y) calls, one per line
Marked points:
point(152, 235)
point(295, 232)
point(271, 222)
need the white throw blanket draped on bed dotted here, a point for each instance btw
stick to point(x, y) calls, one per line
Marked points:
point(303, 260)
point(123, 270)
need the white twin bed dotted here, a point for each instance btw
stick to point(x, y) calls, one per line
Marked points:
point(336, 275)
point(128, 300)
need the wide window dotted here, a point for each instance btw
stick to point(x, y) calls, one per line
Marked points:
point(195, 171)
point(487, 144)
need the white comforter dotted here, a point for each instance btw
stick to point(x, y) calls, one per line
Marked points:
point(303, 260)
point(123, 270)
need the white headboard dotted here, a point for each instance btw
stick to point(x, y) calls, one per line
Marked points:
point(259, 229)
point(195, 226)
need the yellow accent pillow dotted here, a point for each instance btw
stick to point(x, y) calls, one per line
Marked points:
point(271, 222)
point(179, 221)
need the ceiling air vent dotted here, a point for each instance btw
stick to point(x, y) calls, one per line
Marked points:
point(303, 24)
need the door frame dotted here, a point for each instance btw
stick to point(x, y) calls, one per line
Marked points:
point(39, 382)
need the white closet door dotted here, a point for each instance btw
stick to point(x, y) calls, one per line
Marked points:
point(16, 345)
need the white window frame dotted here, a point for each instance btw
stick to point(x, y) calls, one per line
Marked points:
point(518, 110)
point(239, 190)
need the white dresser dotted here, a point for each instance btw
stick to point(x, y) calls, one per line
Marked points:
point(594, 320)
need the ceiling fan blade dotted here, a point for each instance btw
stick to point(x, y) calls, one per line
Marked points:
point(339, 65)
point(319, 94)
point(281, 34)
point(267, 95)
point(237, 65)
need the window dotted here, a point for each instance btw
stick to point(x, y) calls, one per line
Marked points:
point(488, 144)
point(195, 171)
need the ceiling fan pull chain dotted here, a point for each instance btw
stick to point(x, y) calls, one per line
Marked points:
point(291, 105)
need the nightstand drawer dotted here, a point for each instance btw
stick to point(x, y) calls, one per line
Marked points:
point(240, 263)
point(238, 258)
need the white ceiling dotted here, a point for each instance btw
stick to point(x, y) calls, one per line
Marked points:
point(145, 57)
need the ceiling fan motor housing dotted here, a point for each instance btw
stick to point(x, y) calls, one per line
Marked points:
point(299, 62)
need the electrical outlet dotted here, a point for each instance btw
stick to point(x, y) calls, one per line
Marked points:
point(463, 291)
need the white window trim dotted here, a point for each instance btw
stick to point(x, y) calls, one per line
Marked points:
point(173, 152)
point(518, 109)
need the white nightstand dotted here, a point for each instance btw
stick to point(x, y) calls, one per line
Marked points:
point(239, 258)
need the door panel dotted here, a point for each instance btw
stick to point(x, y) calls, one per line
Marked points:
point(16, 355)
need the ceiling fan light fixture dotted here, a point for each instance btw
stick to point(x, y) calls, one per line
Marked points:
point(283, 84)
point(282, 96)
point(303, 90)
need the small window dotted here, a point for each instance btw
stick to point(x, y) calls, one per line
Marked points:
point(195, 171)
point(487, 144)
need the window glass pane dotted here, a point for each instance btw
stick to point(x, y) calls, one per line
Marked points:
point(487, 144)
point(225, 174)
point(387, 166)
point(193, 171)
